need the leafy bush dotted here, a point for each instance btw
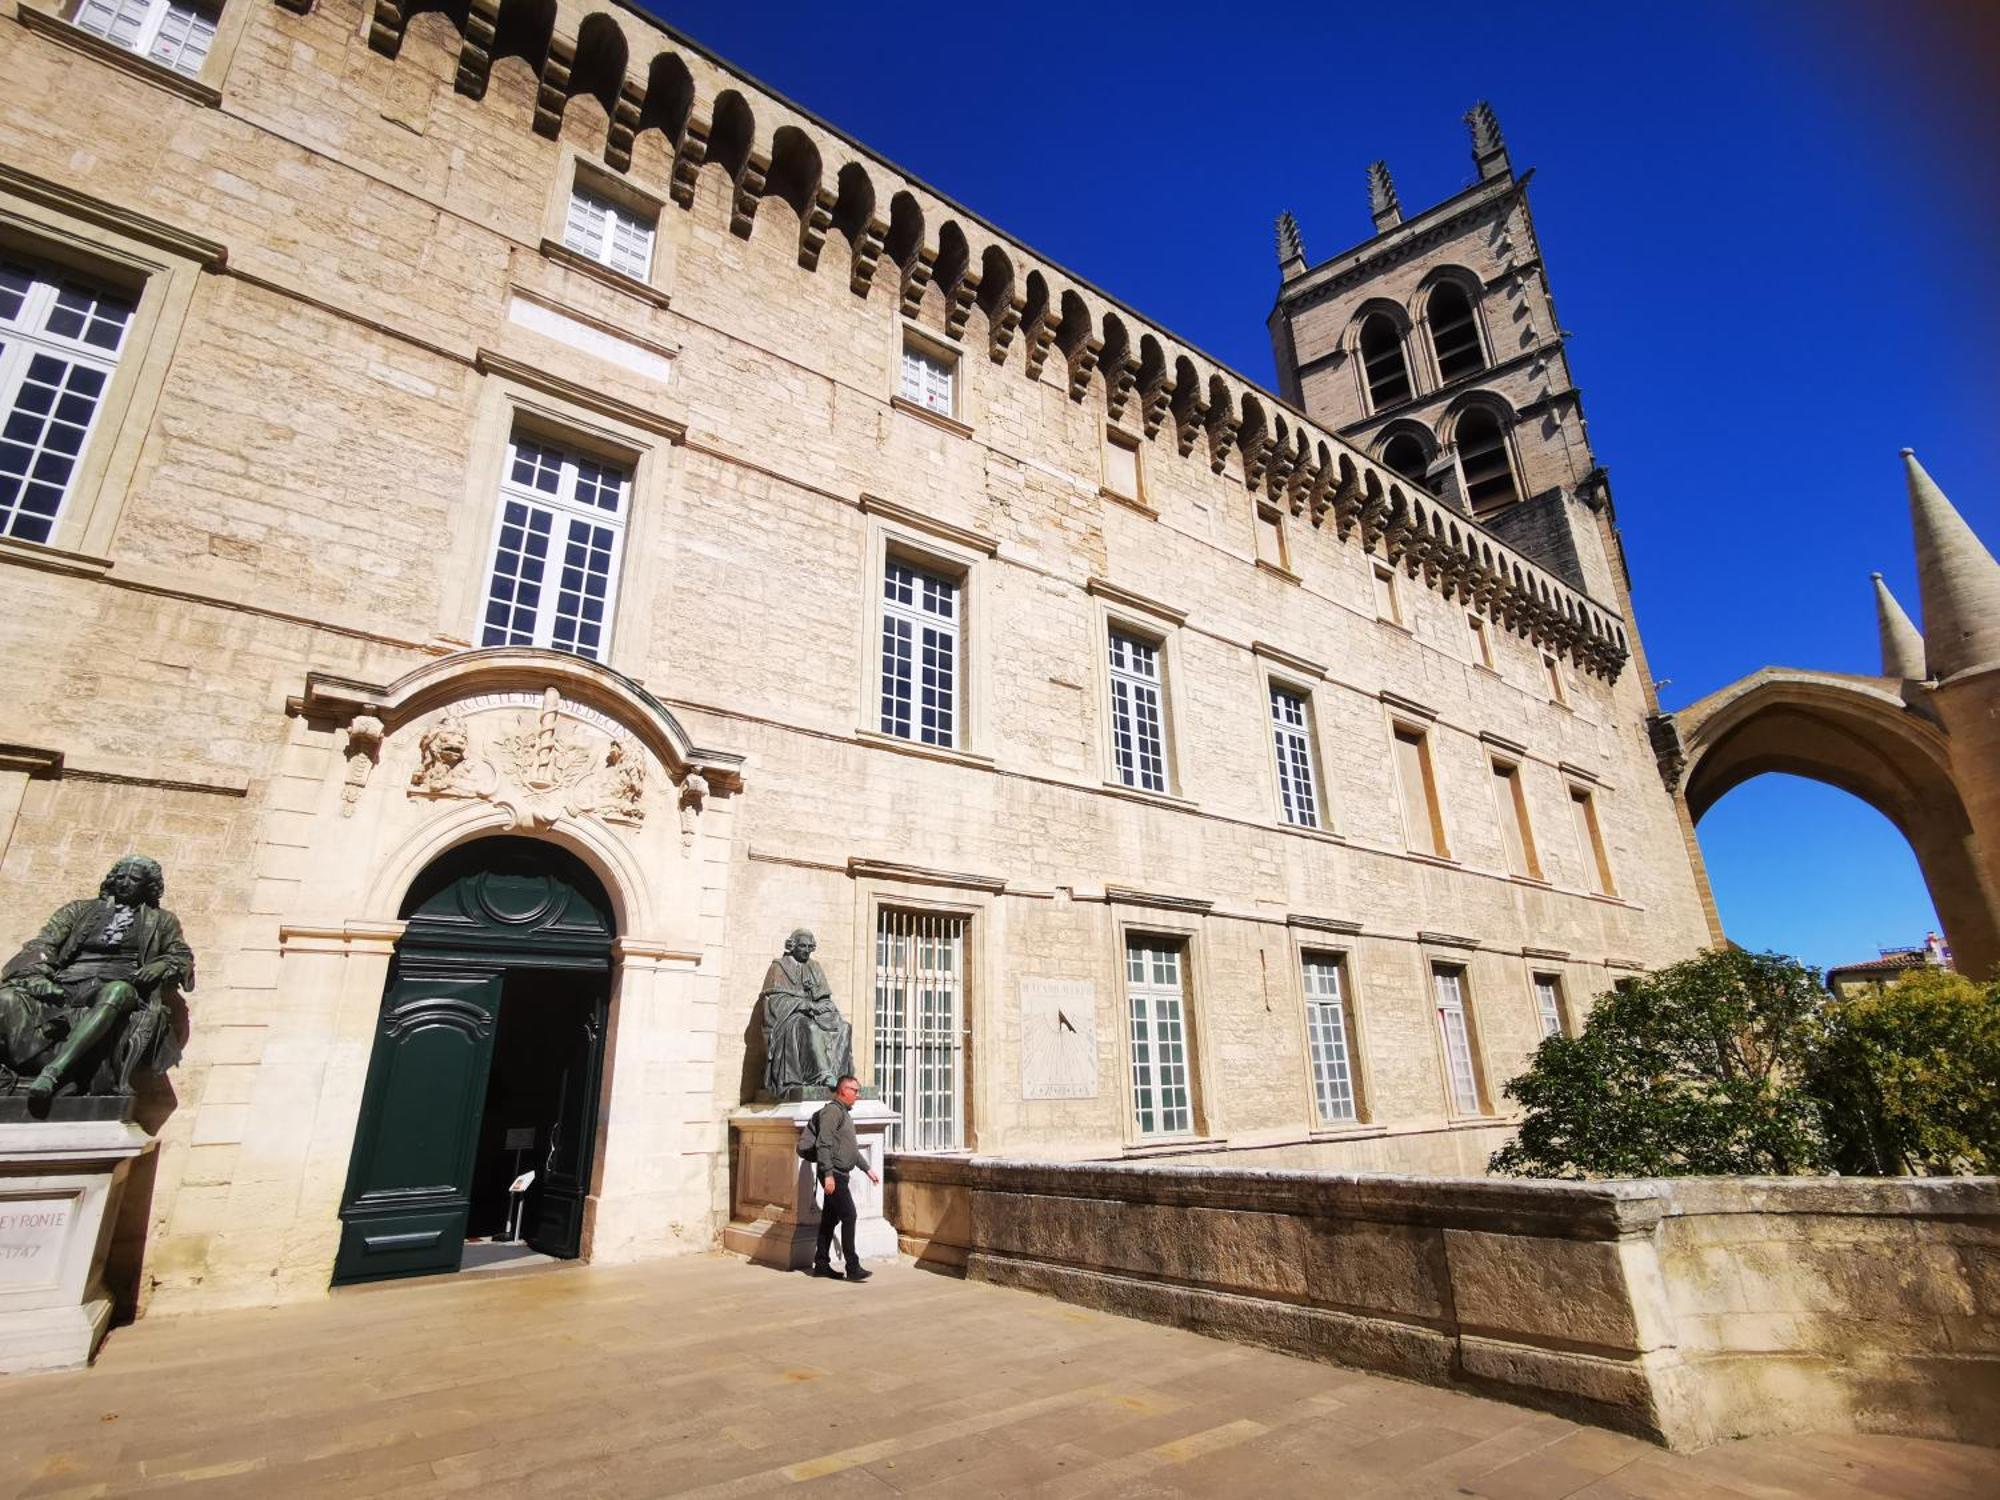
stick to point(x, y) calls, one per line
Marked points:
point(1909, 1077)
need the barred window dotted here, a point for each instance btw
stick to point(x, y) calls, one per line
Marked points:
point(1291, 730)
point(920, 1026)
point(609, 233)
point(928, 377)
point(1455, 1032)
point(920, 654)
point(1138, 716)
point(1162, 1097)
point(170, 32)
point(59, 343)
point(1327, 1039)
point(555, 555)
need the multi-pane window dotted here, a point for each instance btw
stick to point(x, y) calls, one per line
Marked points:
point(1422, 824)
point(1548, 1004)
point(174, 34)
point(1455, 1032)
point(920, 655)
point(1291, 733)
point(1382, 362)
point(555, 560)
point(1326, 1039)
point(1455, 332)
point(1510, 804)
point(927, 378)
point(920, 1027)
point(1138, 719)
point(1162, 1099)
point(609, 233)
point(59, 343)
point(1590, 841)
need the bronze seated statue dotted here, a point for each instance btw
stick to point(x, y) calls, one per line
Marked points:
point(84, 1005)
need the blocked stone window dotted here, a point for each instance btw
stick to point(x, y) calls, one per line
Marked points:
point(171, 33)
point(1387, 606)
point(1510, 806)
point(1329, 1040)
point(1138, 711)
point(611, 233)
point(1291, 732)
point(561, 526)
point(1383, 362)
point(1455, 332)
point(1485, 462)
point(1590, 842)
point(1423, 824)
point(1482, 641)
point(1121, 464)
point(1271, 549)
point(922, 610)
point(60, 338)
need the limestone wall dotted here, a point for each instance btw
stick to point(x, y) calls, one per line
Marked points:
point(1687, 1311)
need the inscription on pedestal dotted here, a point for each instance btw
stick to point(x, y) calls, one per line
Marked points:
point(32, 1232)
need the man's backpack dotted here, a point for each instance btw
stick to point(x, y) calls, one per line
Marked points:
point(809, 1139)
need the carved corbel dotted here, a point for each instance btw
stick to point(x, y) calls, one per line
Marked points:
point(813, 225)
point(867, 252)
point(364, 749)
point(1347, 496)
point(916, 278)
point(1000, 335)
point(626, 112)
point(552, 97)
point(1257, 453)
point(1082, 364)
point(1119, 384)
point(694, 796)
point(958, 302)
point(1154, 402)
point(1042, 338)
point(1190, 417)
point(689, 153)
point(1221, 438)
point(475, 53)
point(385, 27)
point(749, 192)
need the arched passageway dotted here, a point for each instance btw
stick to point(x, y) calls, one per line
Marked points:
point(1861, 735)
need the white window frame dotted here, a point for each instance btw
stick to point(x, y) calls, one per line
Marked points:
point(25, 337)
point(925, 632)
point(565, 508)
point(590, 202)
point(922, 952)
point(1160, 1064)
point(1451, 1004)
point(1136, 684)
point(154, 21)
point(927, 376)
point(1299, 805)
point(1549, 1007)
point(1330, 1037)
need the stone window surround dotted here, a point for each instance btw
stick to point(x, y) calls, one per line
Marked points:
point(1277, 668)
point(160, 268)
point(1434, 953)
point(932, 893)
point(1402, 716)
point(1600, 881)
point(1311, 938)
point(577, 170)
point(1115, 435)
point(1120, 609)
point(893, 530)
point(1420, 317)
point(1505, 764)
point(50, 19)
point(911, 334)
point(506, 403)
point(1131, 921)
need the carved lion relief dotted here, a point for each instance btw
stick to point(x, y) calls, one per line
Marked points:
point(547, 761)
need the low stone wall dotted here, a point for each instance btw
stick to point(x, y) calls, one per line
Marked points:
point(1451, 1151)
point(1687, 1311)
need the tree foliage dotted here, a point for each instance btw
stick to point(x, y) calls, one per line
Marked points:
point(1909, 1076)
point(1735, 1063)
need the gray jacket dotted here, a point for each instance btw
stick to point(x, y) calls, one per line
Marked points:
point(839, 1151)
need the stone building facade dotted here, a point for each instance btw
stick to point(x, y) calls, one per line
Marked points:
point(507, 428)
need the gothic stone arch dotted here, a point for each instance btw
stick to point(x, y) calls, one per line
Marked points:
point(1861, 735)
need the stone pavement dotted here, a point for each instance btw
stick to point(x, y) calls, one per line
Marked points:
point(711, 1377)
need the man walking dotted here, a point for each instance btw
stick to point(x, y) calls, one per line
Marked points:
point(839, 1154)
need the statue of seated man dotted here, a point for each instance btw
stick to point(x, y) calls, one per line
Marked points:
point(806, 1043)
point(83, 1005)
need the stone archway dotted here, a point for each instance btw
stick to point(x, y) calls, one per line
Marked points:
point(1864, 736)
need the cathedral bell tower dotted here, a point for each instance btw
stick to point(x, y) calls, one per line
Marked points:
point(1434, 345)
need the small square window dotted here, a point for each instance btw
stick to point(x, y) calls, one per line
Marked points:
point(611, 233)
point(1121, 464)
point(930, 377)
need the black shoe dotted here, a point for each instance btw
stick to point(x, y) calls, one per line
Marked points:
point(858, 1273)
point(821, 1268)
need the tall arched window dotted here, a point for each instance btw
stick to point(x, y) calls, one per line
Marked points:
point(1405, 454)
point(1455, 332)
point(1382, 362)
point(1482, 458)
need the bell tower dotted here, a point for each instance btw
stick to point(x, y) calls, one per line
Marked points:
point(1434, 344)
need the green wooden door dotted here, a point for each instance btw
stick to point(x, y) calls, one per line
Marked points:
point(408, 1186)
point(558, 1226)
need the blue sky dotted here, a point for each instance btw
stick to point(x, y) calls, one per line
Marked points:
point(1769, 229)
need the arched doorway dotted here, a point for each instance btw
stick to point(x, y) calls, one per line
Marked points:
point(487, 1063)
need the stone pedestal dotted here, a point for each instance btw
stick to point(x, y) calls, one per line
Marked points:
point(774, 1197)
point(60, 1182)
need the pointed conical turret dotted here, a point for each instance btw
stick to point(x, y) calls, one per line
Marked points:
point(1383, 205)
point(1902, 647)
point(1957, 579)
point(1291, 246)
point(1489, 149)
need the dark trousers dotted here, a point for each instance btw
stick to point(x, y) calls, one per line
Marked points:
point(838, 1208)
